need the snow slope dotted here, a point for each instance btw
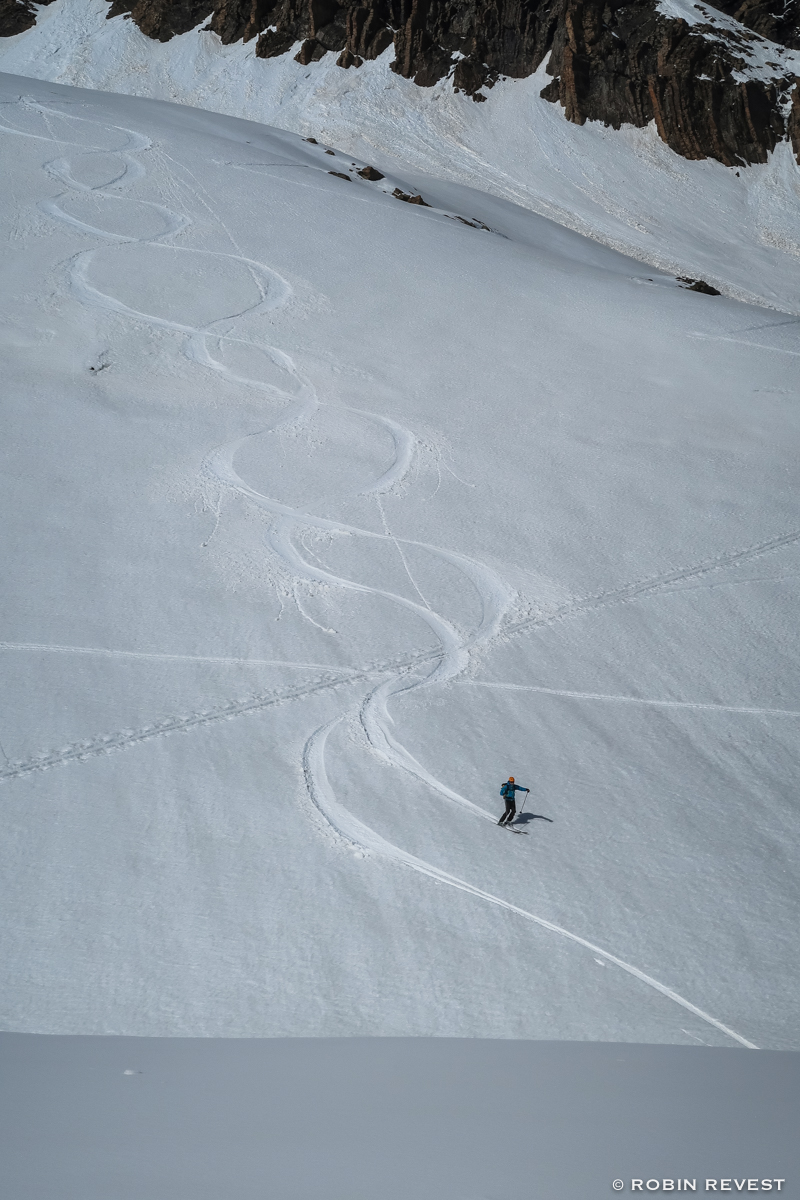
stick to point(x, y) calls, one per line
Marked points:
point(376, 507)
point(625, 188)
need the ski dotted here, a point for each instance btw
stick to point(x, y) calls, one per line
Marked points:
point(510, 830)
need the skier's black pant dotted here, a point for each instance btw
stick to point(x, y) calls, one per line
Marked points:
point(509, 814)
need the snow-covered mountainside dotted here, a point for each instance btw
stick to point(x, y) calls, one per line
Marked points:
point(719, 84)
point(735, 227)
point(324, 511)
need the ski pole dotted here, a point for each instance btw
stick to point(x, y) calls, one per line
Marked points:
point(525, 801)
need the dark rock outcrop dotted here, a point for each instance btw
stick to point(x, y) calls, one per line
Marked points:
point(698, 285)
point(634, 65)
point(161, 20)
point(793, 123)
point(17, 15)
point(240, 20)
point(777, 20)
point(347, 59)
point(616, 61)
point(409, 199)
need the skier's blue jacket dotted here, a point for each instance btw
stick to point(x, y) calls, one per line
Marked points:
point(508, 789)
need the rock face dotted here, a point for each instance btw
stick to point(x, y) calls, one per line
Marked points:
point(777, 20)
point(634, 65)
point(615, 61)
point(161, 20)
point(17, 15)
point(793, 123)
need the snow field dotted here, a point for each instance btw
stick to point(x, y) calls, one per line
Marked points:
point(375, 508)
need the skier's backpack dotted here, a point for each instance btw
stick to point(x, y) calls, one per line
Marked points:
point(507, 790)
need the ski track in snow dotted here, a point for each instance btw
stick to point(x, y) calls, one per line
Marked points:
point(302, 403)
point(455, 647)
point(718, 337)
point(102, 652)
point(691, 704)
point(335, 821)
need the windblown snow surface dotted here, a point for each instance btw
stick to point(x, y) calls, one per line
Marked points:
point(323, 513)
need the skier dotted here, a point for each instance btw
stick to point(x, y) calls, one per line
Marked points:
point(508, 791)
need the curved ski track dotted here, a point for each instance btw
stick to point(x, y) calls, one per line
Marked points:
point(349, 831)
point(455, 647)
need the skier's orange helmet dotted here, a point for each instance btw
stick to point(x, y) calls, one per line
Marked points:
point(511, 779)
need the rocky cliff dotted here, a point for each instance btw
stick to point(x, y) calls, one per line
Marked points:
point(776, 20)
point(722, 87)
point(17, 15)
